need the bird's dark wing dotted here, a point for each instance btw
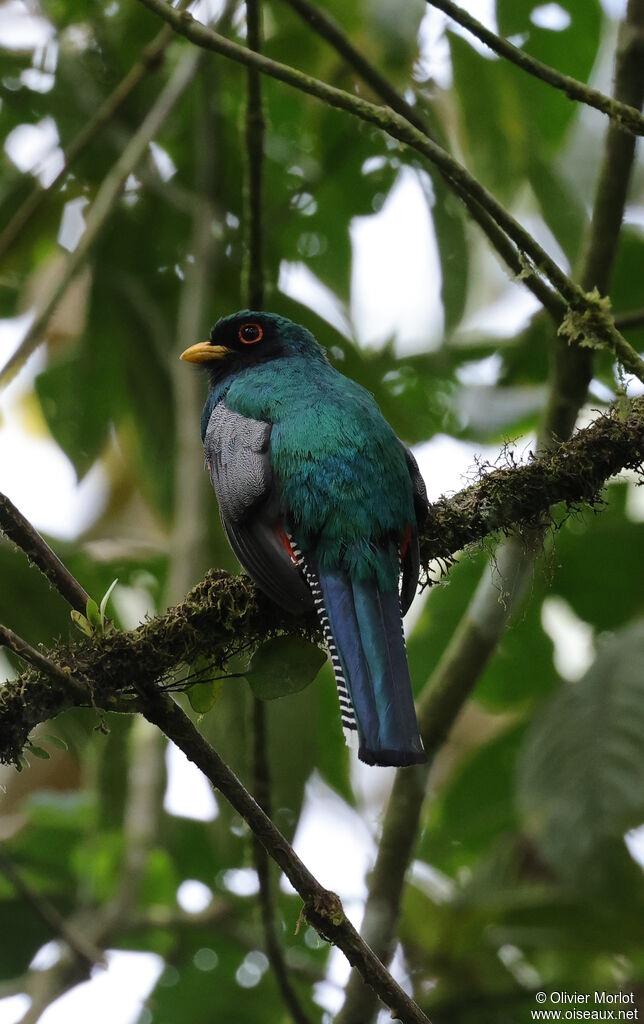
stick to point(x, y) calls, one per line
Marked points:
point(238, 458)
point(411, 552)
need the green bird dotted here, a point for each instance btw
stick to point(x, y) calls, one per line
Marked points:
point(321, 502)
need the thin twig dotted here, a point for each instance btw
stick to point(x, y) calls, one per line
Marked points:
point(39, 661)
point(150, 60)
point(20, 531)
point(327, 28)
point(261, 792)
point(626, 321)
point(591, 320)
point(253, 272)
point(571, 365)
point(101, 924)
point(104, 204)
point(83, 948)
point(623, 114)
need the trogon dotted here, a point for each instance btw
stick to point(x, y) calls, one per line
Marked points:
point(321, 503)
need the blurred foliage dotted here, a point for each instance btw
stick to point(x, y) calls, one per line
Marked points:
point(533, 884)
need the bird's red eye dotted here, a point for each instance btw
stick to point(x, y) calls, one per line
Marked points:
point(249, 334)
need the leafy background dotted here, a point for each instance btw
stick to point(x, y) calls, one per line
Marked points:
point(522, 878)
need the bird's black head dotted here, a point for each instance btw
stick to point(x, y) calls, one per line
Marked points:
point(249, 337)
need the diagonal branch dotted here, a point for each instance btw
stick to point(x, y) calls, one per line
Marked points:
point(497, 597)
point(105, 202)
point(150, 59)
point(588, 319)
point(325, 26)
point(622, 113)
point(99, 925)
point(83, 947)
point(20, 531)
point(322, 909)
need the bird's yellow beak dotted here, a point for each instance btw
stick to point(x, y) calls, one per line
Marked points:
point(204, 352)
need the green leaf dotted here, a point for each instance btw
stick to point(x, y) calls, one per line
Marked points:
point(93, 614)
point(601, 564)
point(76, 395)
point(55, 741)
point(40, 752)
point(581, 770)
point(562, 207)
point(282, 666)
point(203, 696)
point(81, 622)
point(626, 286)
point(104, 601)
point(476, 807)
point(449, 225)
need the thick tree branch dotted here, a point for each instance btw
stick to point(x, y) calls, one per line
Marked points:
point(105, 202)
point(504, 498)
point(150, 60)
point(20, 531)
point(588, 318)
point(622, 113)
point(224, 614)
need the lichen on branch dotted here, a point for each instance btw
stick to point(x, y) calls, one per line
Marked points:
point(225, 614)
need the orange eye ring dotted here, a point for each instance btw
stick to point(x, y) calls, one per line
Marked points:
point(250, 334)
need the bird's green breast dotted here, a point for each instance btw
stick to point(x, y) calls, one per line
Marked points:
point(340, 468)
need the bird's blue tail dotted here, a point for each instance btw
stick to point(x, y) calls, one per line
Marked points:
point(363, 627)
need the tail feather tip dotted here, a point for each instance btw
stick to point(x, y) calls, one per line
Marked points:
point(392, 758)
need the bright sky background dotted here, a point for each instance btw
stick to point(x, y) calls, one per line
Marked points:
point(395, 292)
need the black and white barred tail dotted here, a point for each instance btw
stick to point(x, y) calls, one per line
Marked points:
point(347, 712)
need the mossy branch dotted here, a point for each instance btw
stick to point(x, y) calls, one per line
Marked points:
point(224, 613)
